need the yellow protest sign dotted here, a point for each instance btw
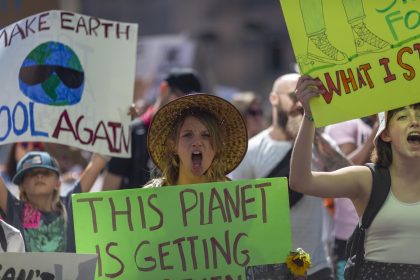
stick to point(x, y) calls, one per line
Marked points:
point(219, 230)
point(365, 53)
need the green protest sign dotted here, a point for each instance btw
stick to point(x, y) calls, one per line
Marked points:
point(365, 53)
point(206, 231)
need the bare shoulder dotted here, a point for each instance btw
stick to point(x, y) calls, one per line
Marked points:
point(363, 176)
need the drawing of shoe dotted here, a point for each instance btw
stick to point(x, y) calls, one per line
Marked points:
point(321, 49)
point(366, 41)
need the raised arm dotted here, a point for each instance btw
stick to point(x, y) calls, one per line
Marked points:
point(3, 195)
point(92, 171)
point(353, 182)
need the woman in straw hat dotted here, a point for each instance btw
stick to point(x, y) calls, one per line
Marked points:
point(196, 138)
point(392, 242)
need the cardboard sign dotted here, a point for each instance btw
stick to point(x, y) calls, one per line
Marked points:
point(47, 266)
point(365, 53)
point(68, 78)
point(222, 230)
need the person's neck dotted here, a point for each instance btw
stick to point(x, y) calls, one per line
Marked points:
point(43, 203)
point(185, 179)
point(406, 168)
point(278, 133)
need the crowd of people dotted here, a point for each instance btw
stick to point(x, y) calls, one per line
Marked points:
point(190, 137)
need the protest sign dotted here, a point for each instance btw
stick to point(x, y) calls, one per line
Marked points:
point(158, 54)
point(365, 53)
point(206, 231)
point(68, 78)
point(46, 266)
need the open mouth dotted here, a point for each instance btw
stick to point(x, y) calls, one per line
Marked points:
point(413, 138)
point(197, 158)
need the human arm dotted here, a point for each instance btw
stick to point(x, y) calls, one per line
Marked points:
point(353, 182)
point(111, 181)
point(3, 195)
point(92, 171)
point(361, 154)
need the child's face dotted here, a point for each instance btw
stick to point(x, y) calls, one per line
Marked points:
point(404, 130)
point(194, 147)
point(40, 181)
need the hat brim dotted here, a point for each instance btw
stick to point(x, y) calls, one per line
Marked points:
point(235, 141)
point(17, 179)
point(382, 118)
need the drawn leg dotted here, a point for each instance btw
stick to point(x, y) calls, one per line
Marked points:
point(365, 40)
point(319, 46)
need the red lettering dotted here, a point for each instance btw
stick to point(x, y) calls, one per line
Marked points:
point(405, 66)
point(41, 23)
point(389, 76)
point(81, 24)
point(64, 116)
point(66, 17)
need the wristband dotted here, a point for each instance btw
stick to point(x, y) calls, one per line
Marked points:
point(309, 118)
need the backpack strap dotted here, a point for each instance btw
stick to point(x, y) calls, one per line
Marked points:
point(282, 169)
point(3, 240)
point(381, 184)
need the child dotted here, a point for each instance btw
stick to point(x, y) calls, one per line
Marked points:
point(10, 239)
point(392, 243)
point(44, 218)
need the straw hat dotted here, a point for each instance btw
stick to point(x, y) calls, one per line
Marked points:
point(230, 121)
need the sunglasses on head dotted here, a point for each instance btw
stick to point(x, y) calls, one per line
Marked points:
point(37, 74)
point(35, 145)
point(254, 112)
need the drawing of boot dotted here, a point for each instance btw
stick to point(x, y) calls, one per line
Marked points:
point(321, 49)
point(366, 41)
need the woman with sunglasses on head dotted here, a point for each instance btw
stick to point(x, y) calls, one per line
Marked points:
point(44, 218)
point(392, 242)
point(198, 138)
point(250, 107)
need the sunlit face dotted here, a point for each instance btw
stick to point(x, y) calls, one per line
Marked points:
point(404, 131)
point(40, 182)
point(194, 148)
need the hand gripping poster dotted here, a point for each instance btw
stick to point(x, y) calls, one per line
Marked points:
point(365, 53)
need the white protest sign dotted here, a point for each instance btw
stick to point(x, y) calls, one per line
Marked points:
point(47, 266)
point(158, 54)
point(68, 78)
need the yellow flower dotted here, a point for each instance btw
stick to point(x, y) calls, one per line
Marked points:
point(298, 262)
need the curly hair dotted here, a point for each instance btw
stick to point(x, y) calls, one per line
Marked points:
point(170, 172)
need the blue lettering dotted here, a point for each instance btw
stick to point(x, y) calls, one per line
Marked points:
point(9, 122)
point(25, 119)
point(34, 132)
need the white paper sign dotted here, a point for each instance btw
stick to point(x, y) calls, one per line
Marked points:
point(68, 78)
point(47, 266)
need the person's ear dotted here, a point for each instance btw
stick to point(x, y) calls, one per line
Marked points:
point(385, 136)
point(274, 98)
point(164, 88)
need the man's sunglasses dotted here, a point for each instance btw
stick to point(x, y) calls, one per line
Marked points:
point(36, 74)
point(254, 112)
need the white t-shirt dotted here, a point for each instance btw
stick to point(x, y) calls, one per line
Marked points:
point(14, 239)
point(306, 215)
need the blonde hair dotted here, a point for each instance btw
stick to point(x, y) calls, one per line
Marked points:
point(57, 204)
point(170, 162)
